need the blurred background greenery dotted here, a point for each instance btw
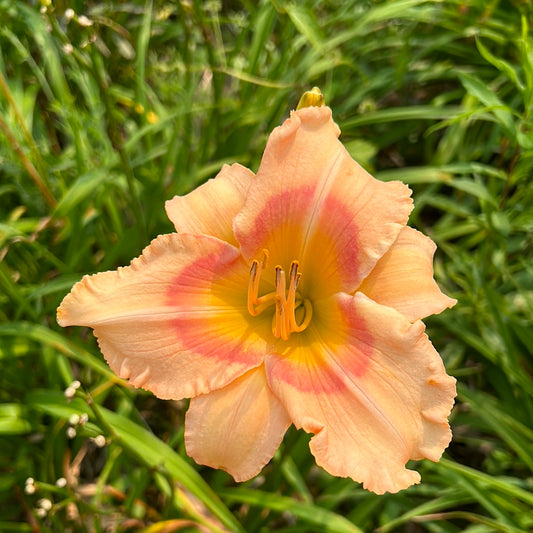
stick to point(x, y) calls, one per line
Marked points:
point(109, 108)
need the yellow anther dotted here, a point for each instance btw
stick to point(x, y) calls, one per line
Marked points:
point(280, 283)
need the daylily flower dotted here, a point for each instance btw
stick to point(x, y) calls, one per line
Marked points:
point(291, 296)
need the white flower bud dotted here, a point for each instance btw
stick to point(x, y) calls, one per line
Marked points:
point(45, 503)
point(100, 441)
point(84, 21)
point(70, 392)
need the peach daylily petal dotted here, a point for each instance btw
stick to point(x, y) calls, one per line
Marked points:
point(238, 428)
point(173, 322)
point(403, 278)
point(210, 208)
point(372, 389)
point(311, 200)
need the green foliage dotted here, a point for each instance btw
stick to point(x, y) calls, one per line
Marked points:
point(111, 109)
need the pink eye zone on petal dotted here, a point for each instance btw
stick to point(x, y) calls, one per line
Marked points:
point(327, 347)
point(279, 226)
point(212, 294)
point(328, 253)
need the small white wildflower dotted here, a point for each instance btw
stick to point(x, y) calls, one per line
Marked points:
point(29, 486)
point(84, 21)
point(74, 419)
point(69, 14)
point(68, 48)
point(41, 513)
point(71, 432)
point(100, 441)
point(70, 392)
point(84, 418)
point(61, 482)
point(43, 10)
point(45, 503)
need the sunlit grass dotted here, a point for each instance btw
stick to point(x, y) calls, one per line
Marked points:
point(104, 118)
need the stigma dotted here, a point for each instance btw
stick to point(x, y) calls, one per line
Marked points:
point(285, 301)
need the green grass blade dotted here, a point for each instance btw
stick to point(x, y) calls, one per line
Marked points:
point(311, 514)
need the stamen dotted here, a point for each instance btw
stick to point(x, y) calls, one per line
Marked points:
point(290, 303)
point(266, 255)
point(253, 285)
point(280, 282)
point(252, 288)
point(264, 302)
point(280, 326)
point(285, 299)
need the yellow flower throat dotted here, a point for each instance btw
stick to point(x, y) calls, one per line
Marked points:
point(287, 300)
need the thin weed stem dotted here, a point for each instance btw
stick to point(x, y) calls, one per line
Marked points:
point(38, 176)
